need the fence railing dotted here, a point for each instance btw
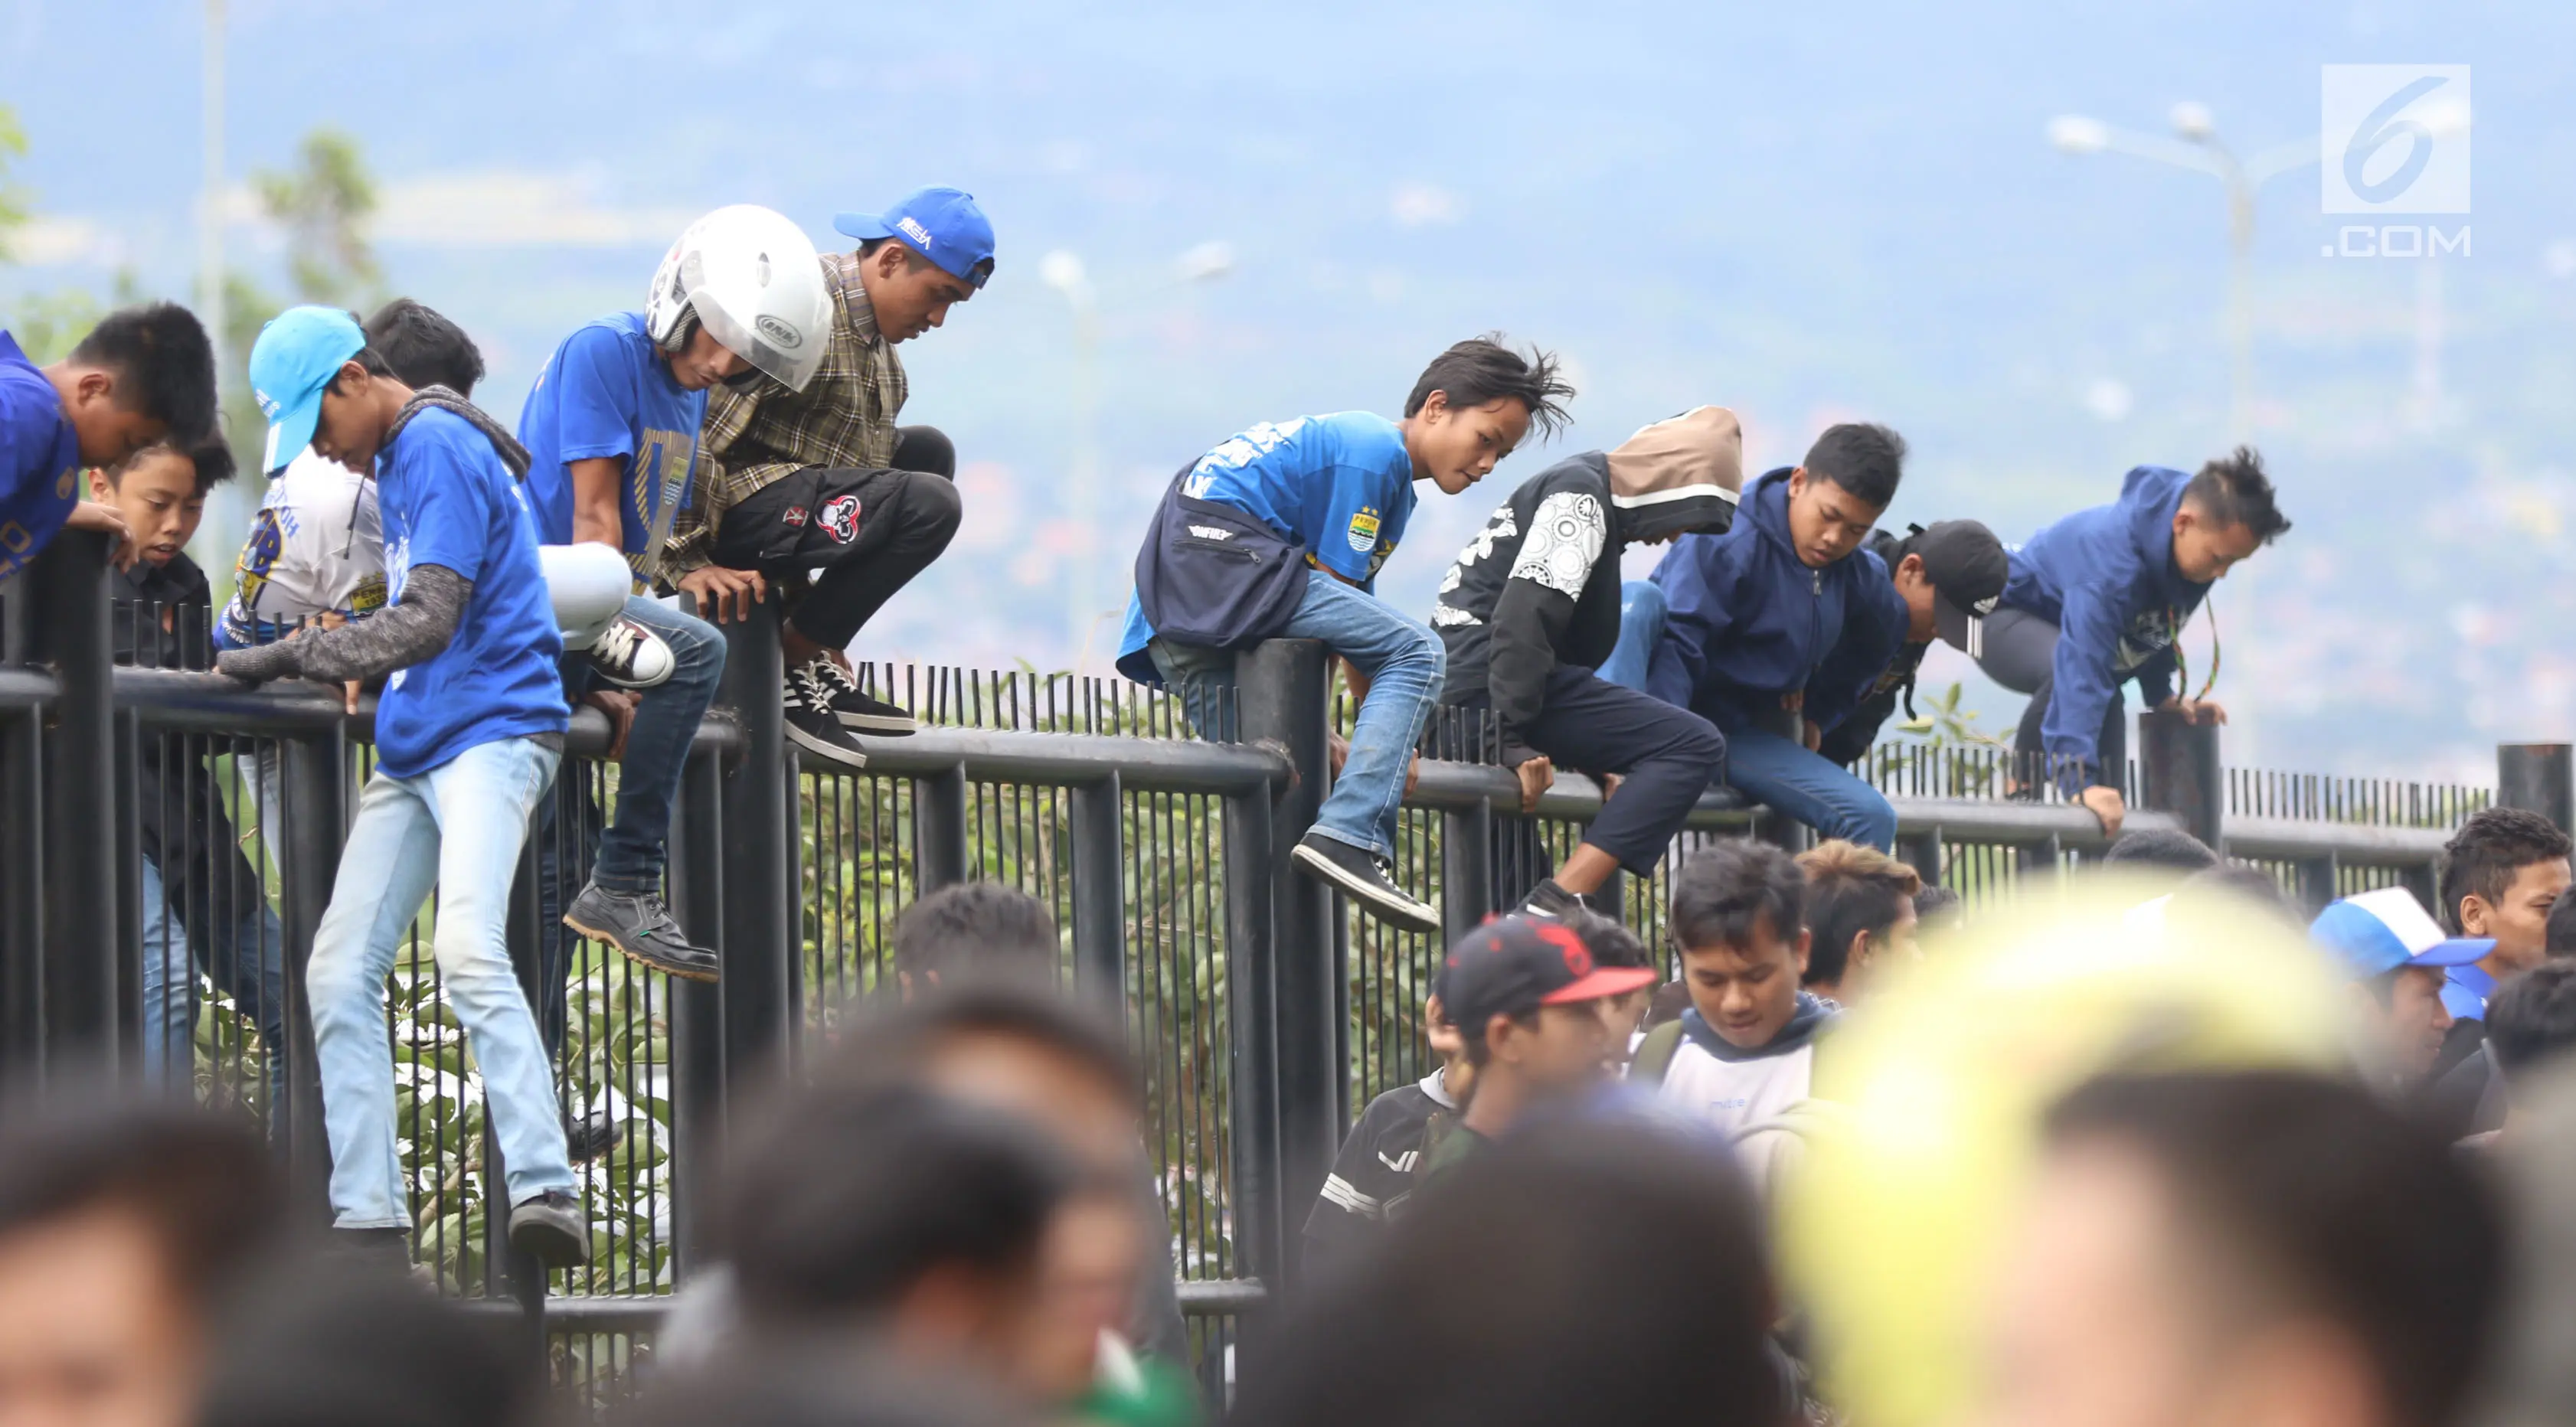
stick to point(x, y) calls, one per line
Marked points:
point(1261, 1011)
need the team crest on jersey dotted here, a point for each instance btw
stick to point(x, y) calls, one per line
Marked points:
point(1364, 530)
point(840, 517)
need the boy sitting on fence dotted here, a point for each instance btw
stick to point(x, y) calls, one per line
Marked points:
point(468, 735)
point(1531, 609)
point(1778, 627)
point(204, 909)
point(1227, 560)
point(144, 374)
point(2100, 598)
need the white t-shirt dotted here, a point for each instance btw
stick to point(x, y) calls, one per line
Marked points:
point(316, 546)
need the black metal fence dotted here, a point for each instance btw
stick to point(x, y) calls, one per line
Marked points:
point(1260, 1010)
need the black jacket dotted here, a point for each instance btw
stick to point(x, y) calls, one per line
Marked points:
point(163, 619)
point(1539, 587)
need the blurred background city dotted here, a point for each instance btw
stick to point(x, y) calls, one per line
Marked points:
point(2001, 227)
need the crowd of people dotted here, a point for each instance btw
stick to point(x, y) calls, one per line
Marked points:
point(951, 1216)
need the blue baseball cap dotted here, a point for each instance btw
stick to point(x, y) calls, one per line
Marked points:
point(941, 224)
point(297, 354)
point(2377, 932)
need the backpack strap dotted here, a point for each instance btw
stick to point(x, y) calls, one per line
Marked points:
point(1655, 1054)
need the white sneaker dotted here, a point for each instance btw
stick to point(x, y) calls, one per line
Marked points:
point(631, 656)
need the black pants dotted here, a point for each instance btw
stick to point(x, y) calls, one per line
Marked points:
point(868, 532)
point(2018, 650)
point(1668, 756)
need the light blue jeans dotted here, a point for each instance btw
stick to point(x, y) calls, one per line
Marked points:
point(1641, 623)
point(459, 826)
point(247, 963)
point(1786, 775)
point(1404, 662)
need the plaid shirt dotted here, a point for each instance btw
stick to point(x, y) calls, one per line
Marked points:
point(758, 434)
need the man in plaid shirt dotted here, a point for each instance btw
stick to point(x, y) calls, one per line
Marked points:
point(823, 480)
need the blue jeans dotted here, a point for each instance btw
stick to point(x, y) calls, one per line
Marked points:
point(666, 718)
point(1786, 776)
point(1403, 661)
point(1641, 623)
point(459, 826)
point(247, 962)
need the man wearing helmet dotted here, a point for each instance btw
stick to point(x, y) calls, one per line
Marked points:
point(820, 478)
point(611, 429)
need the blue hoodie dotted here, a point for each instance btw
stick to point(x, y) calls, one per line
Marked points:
point(1746, 622)
point(2106, 578)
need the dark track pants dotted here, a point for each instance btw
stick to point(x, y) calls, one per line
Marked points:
point(868, 531)
point(1667, 757)
point(2018, 650)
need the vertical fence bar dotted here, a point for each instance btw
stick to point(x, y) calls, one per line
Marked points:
point(2180, 773)
point(1251, 967)
point(519, 1272)
point(939, 850)
point(22, 921)
point(1466, 869)
point(2317, 877)
point(1282, 683)
point(1922, 852)
point(2539, 777)
point(760, 902)
point(68, 628)
point(697, 1007)
point(1099, 899)
point(314, 803)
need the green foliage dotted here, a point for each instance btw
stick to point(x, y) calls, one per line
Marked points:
point(1947, 725)
point(323, 203)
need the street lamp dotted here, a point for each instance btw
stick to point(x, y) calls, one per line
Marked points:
point(1065, 271)
point(2199, 148)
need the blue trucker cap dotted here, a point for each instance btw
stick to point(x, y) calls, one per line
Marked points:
point(297, 354)
point(2377, 932)
point(941, 224)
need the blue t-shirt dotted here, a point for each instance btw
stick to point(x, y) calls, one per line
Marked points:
point(39, 460)
point(1340, 485)
point(446, 499)
point(608, 392)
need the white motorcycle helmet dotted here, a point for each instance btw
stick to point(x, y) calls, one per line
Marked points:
point(755, 282)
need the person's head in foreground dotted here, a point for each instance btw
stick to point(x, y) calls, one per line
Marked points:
point(1936, 908)
point(2394, 958)
point(143, 375)
point(121, 1226)
point(2502, 872)
point(1533, 1011)
point(1948, 573)
point(161, 492)
point(332, 1343)
point(2165, 848)
point(1739, 918)
point(915, 1221)
point(2529, 1379)
point(975, 931)
point(2530, 1023)
point(1841, 489)
point(1860, 917)
point(1586, 1273)
point(1474, 404)
point(2259, 1248)
point(2227, 513)
point(1033, 1060)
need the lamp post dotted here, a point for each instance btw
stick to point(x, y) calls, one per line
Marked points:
point(2198, 147)
point(1064, 271)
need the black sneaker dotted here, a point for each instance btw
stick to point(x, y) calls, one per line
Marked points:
point(373, 1250)
point(631, 656)
point(591, 1136)
point(1548, 900)
point(857, 709)
point(1362, 878)
point(813, 725)
point(552, 1229)
point(640, 926)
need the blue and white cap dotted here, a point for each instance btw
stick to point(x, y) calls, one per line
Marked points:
point(942, 224)
point(2377, 932)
